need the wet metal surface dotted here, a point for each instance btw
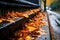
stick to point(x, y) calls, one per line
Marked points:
point(45, 37)
point(53, 18)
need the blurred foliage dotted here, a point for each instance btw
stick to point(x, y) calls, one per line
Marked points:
point(55, 5)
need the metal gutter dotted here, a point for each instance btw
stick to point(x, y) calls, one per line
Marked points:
point(50, 29)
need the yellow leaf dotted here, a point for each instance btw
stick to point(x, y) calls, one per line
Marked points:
point(31, 28)
point(0, 20)
point(28, 37)
point(20, 39)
